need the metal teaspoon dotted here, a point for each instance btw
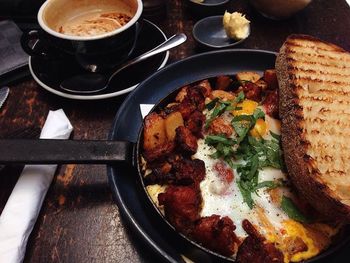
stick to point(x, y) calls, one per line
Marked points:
point(95, 82)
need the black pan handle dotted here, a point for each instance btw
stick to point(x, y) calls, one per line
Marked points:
point(47, 151)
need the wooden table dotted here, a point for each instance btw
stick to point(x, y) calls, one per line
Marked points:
point(79, 222)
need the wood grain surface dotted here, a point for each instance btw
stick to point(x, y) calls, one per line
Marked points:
point(79, 222)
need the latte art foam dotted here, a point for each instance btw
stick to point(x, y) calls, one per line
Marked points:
point(93, 24)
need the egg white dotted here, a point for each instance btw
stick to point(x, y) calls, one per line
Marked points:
point(225, 199)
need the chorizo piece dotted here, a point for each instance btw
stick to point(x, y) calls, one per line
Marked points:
point(159, 153)
point(181, 206)
point(223, 82)
point(195, 95)
point(186, 108)
point(252, 91)
point(195, 123)
point(161, 174)
point(271, 78)
point(219, 126)
point(189, 171)
point(271, 103)
point(185, 140)
point(216, 234)
point(256, 249)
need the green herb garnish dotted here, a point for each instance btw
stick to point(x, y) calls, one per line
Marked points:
point(215, 139)
point(292, 211)
point(246, 192)
point(275, 136)
point(258, 114)
point(212, 104)
point(219, 107)
point(239, 98)
point(267, 184)
point(254, 154)
point(224, 147)
point(242, 124)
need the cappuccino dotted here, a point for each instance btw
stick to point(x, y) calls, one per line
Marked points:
point(93, 23)
point(88, 18)
point(97, 34)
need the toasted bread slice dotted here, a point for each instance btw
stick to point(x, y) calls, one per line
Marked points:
point(314, 81)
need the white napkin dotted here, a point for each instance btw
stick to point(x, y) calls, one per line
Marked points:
point(348, 1)
point(146, 108)
point(22, 208)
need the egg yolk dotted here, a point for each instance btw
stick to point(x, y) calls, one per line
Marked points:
point(246, 107)
point(259, 129)
point(295, 229)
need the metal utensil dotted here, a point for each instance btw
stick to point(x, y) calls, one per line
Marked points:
point(94, 82)
point(4, 92)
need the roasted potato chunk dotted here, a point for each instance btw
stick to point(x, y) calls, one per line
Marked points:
point(248, 76)
point(182, 94)
point(154, 134)
point(172, 121)
point(224, 95)
point(206, 85)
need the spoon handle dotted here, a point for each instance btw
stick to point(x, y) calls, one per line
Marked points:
point(170, 43)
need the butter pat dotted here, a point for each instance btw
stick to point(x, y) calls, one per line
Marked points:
point(236, 25)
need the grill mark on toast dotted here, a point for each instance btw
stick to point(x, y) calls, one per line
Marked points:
point(323, 97)
point(325, 64)
point(313, 71)
point(319, 60)
point(335, 87)
point(297, 38)
point(330, 54)
point(312, 46)
point(323, 57)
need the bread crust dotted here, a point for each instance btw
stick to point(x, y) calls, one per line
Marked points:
point(302, 168)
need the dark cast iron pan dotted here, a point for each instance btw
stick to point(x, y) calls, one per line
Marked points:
point(47, 151)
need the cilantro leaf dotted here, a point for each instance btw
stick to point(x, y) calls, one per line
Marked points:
point(275, 136)
point(292, 211)
point(267, 184)
point(224, 146)
point(240, 97)
point(213, 139)
point(258, 114)
point(219, 109)
point(212, 104)
point(241, 129)
point(246, 193)
point(242, 124)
